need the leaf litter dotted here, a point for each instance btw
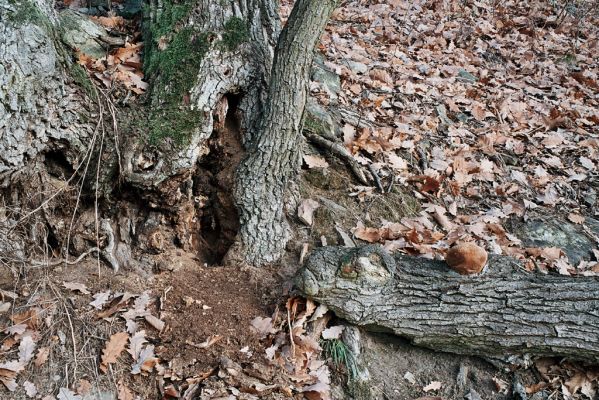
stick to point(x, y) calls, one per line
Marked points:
point(465, 113)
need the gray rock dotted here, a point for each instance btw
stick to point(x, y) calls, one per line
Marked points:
point(554, 232)
point(466, 76)
point(329, 79)
point(442, 113)
point(357, 67)
point(590, 197)
point(319, 120)
point(79, 32)
point(99, 395)
point(423, 69)
point(472, 395)
point(131, 8)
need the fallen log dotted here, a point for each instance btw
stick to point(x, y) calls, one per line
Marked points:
point(503, 311)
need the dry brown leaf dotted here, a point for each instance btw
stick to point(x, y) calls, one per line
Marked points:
point(8, 373)
point(26, 350)
point(109, 22)
point(396, 162)
point(146, 361)
point(334, 332)
point(84, 387)
point(4, 307)
point(382, 76)
point(313, 161)
point(29, 317)
point(478, 112)
point(434, 385)
point(30, 389)
point(430, 398)
point(305, 211)
point(349, 134)
point(157, 323)
point(42, 356)
point(123, 392)
point(206, 343)
point(116, 305)
point(67, 394)
point(262, 326)
point(576, 218)
point(136, 344)
point(113, 349)
point(100, 299)
point(370, 235)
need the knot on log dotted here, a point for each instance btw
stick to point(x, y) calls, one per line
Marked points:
point(366, 269)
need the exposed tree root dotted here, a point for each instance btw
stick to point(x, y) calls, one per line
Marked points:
point(341, 152)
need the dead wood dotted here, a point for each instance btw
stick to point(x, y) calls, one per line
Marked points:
point(502, 312)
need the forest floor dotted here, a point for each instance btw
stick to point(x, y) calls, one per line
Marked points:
point(470, 118)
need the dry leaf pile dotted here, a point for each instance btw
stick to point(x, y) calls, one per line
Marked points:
point(485, 110)
point(123, 65)
point(34, 335)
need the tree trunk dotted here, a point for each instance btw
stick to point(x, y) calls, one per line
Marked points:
point(501, 312)
point(274, 157)
point(212, 97)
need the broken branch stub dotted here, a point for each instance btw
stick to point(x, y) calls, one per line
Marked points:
point(503, 311)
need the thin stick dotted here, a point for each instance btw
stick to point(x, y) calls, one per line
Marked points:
point(72, 329)
point(290, 334)
point(377, 180)
point(63, 260)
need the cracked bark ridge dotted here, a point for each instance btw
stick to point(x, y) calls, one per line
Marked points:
point(39, 110)
point(502, 312)
point(273, 157)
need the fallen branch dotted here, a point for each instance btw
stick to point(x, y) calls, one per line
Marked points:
point(502, 312)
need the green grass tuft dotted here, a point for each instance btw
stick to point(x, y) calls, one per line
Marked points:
point(341, 356)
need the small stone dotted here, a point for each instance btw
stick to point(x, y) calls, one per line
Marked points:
point(423, 69)
point(472, 395)
point(590, 198)
point(462, 377)
point(357, 67)
point(466, 76)
point(327, 78)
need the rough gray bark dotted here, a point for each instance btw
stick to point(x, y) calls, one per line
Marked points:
point(39, 109)
point(273, 158)
point(504, 311)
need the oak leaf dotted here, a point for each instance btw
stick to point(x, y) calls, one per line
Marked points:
point(113, 349)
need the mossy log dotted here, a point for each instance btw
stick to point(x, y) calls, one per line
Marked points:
point(504, 311)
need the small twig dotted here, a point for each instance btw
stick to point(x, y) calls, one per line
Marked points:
point(376, 178)
point(391, 182)
point(72, 329)
point(340, 152)
point(290, 334)
point(63, 260)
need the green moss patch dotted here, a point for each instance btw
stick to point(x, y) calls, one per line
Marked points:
point(26, 11)
point(331, 187)
point(235, 33)
point(171, 55)
point(81, 78)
